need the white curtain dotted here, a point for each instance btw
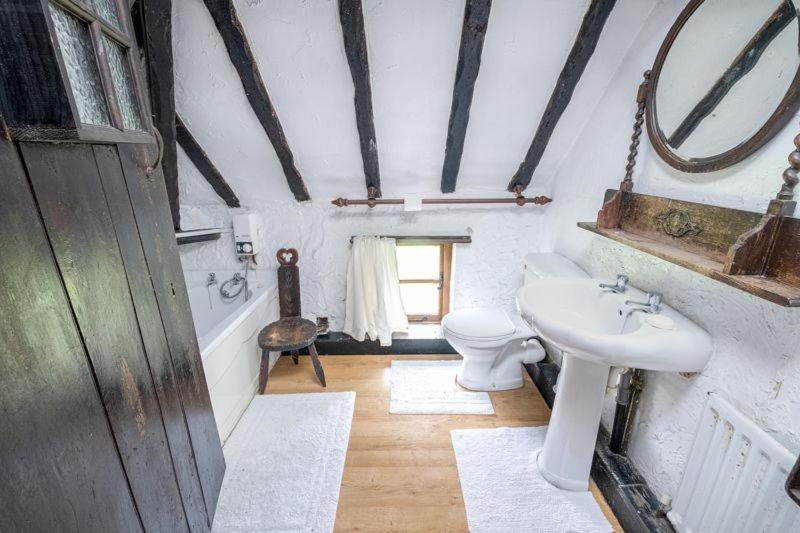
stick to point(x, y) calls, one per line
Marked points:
point(373, 306)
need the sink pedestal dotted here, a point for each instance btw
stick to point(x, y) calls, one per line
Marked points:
point(566, 458)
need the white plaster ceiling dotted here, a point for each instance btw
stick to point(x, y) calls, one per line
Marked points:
point(523, 54)
point(413, 51)
point(210, 99)
point(300, 53)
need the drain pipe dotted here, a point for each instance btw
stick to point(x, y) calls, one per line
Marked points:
point(630, 384)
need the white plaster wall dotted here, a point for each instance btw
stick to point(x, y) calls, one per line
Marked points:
point(756, 363)
point(486, 272)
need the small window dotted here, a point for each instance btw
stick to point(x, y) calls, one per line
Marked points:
point(424, 272)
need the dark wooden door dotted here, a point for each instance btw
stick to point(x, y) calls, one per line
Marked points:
point(68, 189)
point(110, 232)
point(61, 467)
point(105, 417)
point(149, 198)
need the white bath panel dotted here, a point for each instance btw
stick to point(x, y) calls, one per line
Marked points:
point(734, 478)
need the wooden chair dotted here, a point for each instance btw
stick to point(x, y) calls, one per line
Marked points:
point(291, 333)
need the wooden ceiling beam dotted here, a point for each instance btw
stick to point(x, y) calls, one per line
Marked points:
point(582, 50)
point(473, 31)
point(153, 20)
point(203, 163)
point(230, 28)
point(351, 16)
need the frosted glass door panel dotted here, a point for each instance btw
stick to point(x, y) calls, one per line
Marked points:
point(123, 85)
point(108, 10)
point(81, 65)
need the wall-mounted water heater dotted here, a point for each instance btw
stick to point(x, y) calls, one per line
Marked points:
point(246, 230)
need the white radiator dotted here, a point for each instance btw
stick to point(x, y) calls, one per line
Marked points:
point(734, 478)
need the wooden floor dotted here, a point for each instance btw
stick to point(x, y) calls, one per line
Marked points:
point(400, 473)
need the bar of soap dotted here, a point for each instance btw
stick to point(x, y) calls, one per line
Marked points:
point(660, 321)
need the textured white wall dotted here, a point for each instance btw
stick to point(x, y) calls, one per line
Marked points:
point(486, 272)
point(756, 364)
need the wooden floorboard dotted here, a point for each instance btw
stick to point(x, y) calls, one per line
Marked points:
point(400, 473)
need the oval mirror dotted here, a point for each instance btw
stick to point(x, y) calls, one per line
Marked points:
point(725, 80)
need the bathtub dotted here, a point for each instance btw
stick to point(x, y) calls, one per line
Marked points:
point(227, 332)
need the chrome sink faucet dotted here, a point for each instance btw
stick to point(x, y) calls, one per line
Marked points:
point(619, 287)
point(652, 305)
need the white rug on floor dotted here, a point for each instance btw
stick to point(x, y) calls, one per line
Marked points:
point(504, 492)
point(284, 463)
point(429, 387)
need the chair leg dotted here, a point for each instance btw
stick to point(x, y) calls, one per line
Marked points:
point(263, 374)
point(312, 351)
point(295, 356)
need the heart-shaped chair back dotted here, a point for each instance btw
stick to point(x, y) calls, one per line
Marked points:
point(288, 282)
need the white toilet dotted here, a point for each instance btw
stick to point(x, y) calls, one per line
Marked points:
point(494, 343)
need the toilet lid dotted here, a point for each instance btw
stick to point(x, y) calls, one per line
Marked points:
point(480, 323)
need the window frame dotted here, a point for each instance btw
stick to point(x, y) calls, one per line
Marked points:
point(444, 281)
point(99, 27)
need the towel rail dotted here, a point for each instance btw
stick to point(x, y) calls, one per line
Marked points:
point(421, 240)
point(372, 201)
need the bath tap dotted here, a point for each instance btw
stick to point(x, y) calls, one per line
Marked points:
point(619, 287)
point(652, 305)
point(211, 280)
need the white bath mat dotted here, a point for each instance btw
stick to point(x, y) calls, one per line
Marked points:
point(284, 464)
point(429, 387)
point(504, 492)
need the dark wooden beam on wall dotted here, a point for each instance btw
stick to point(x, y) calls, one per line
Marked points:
point(202, 162)
point(230, 28)
point(741, 65)
point(476, 20)
point(351, 15)
point(582, 50)
point(153, 20)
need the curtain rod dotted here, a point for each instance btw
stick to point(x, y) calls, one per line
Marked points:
point(426, 239)
point(372, 201)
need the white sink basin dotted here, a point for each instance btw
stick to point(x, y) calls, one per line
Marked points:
point(596, 330)
point(581, 318)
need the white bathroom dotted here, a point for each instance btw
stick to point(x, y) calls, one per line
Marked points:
point(371, 265)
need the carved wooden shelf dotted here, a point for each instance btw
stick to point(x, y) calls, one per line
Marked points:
point(713, 241)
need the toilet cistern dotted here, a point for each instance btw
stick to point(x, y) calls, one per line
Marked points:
point(596, 329)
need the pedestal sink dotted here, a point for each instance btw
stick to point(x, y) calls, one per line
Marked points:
point(597, 329)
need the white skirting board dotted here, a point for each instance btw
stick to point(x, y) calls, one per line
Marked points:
point(429, 387)
point(734, 478)
point(505, 493)
point(285, 460)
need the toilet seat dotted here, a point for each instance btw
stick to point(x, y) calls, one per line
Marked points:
point(479, 324)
